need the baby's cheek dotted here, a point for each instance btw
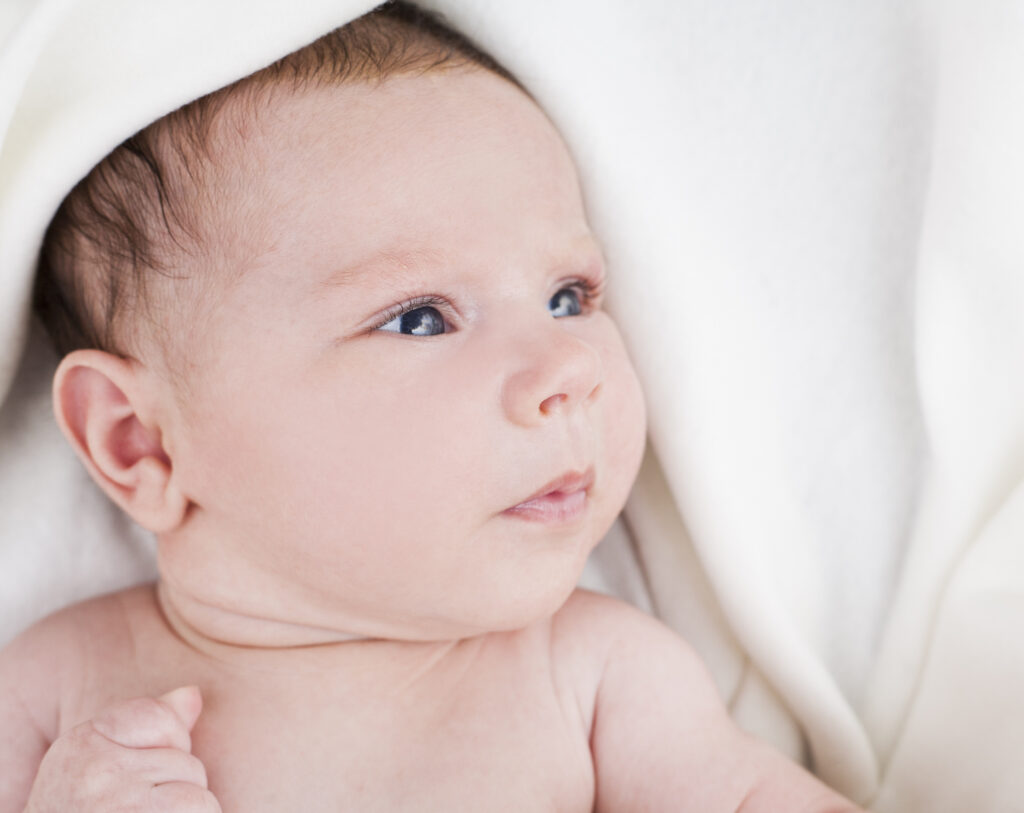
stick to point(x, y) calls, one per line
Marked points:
point(625, 421)
point(633, 426)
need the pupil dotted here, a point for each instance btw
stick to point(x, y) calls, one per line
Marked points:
point(422, 322)
point(566, 298)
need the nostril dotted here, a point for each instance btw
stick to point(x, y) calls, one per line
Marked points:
point(551, 403)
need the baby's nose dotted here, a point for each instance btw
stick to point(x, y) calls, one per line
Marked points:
point(555, 374)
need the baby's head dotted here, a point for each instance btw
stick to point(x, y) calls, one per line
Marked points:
point(325, 326)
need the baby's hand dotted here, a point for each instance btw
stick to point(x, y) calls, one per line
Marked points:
point(133, 756)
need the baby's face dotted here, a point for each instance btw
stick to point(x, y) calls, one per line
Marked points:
point(352, 470)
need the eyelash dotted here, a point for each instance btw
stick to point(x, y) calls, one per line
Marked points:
point(590, 291)
point(404, 307)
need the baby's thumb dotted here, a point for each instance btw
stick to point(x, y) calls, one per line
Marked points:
point(152, 722)
point(186, 702)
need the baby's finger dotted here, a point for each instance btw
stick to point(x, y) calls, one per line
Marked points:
point(159, 765)
point(182, 797)
point(148, 722)
point(186, 702)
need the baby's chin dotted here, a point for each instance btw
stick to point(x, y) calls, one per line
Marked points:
point(526, 609)
point(487, 608)
point(515, 599)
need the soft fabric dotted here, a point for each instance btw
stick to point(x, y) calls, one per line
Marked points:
point(809, 210)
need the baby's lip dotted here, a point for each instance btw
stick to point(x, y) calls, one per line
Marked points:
point(566, 483)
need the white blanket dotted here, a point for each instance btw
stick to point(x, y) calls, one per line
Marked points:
point(810, 215)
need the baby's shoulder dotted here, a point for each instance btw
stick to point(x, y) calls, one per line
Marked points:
point(594, 623)
point(97, 624)
point(591, 630)
point(42, 661)
point(594, 634)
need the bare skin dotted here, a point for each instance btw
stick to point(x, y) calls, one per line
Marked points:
point(335, 727)
point(368, 626)
point(524, 720)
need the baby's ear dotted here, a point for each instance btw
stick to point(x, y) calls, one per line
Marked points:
point(102, 404)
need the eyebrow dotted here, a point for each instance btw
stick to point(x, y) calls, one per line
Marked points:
point(393, 265)
point(387, 265)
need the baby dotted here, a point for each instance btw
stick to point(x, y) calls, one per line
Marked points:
point(335, 334)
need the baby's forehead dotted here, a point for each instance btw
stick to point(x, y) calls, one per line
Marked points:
point(374, 118)
point(413, 158)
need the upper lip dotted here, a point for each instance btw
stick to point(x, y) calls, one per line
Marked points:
point(565, 483)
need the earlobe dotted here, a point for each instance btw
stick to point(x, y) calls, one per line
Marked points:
point(100, 402)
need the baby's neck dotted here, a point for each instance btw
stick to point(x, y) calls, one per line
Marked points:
point(194, 619)
point(247, 641)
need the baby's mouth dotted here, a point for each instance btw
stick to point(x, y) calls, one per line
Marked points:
point(562, 500)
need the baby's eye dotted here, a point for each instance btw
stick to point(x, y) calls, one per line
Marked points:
point(422, 321)
point(566, 303)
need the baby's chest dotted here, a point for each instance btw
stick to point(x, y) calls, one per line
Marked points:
point(483, 748)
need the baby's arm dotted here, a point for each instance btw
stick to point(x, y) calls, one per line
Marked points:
point(29, 691)
point(133, 755)
point(663, 741)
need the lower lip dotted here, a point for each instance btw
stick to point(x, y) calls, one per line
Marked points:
point(553, 507)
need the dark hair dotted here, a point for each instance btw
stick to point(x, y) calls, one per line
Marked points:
point(140, 210)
